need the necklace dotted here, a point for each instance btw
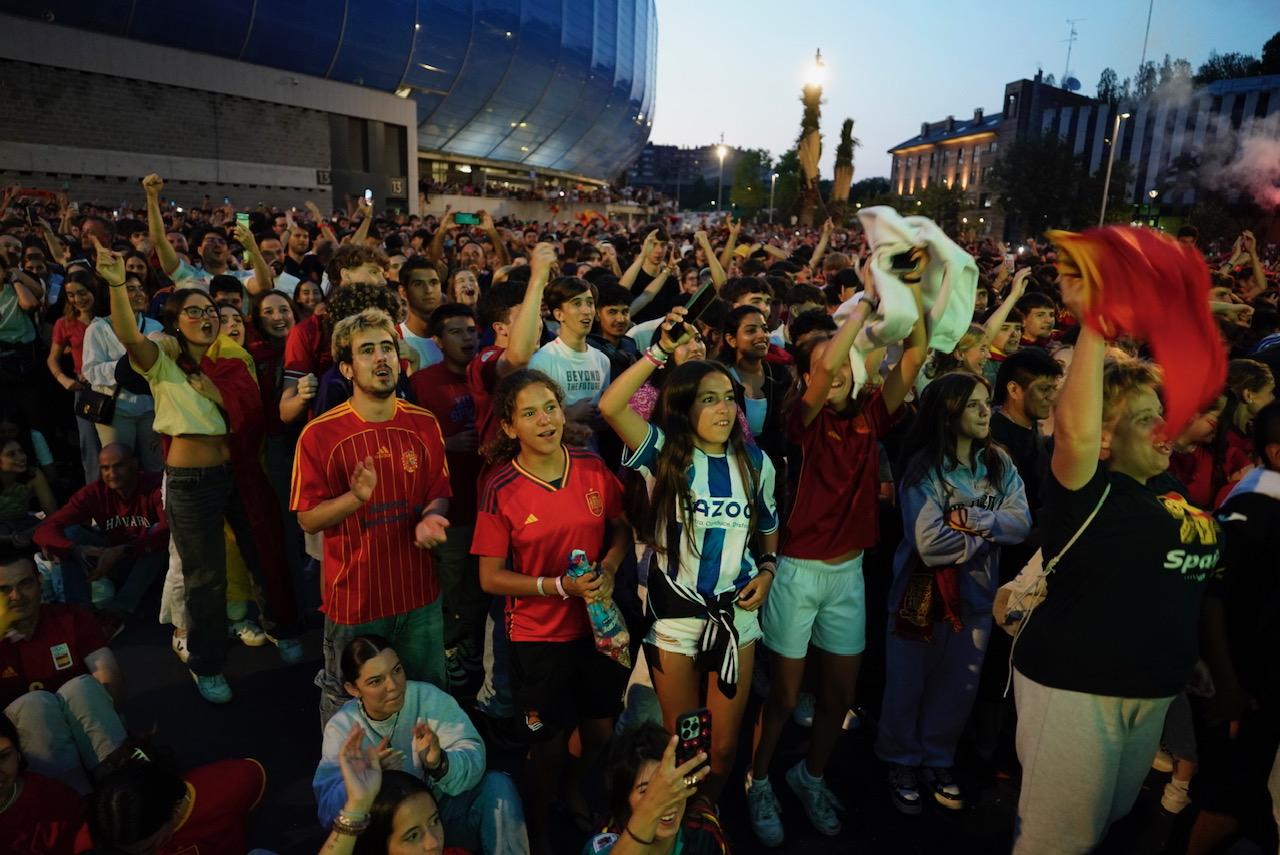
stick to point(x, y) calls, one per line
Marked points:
point(13, 795)
point(374, 725)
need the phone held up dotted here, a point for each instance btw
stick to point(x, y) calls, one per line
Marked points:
point(695, 307)
point(464, 219)
point(694, 730)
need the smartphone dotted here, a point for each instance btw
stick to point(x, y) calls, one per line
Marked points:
point(695, 307)
point(464, 219)
point(242, 219)
point(368, 196)
point(694, 731)
point(226, 200)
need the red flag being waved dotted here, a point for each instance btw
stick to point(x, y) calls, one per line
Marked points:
point(1144, 284)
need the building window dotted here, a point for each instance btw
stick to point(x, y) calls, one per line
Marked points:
point(994, 145)
point(1011, 106)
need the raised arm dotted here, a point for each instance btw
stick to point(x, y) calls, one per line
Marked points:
point(903, 376)
point(29, 290)
point(169, 261)
point(263, 277)
point(499, 245)
point(726, 254)
point(143, 352)
point(718, 276)
point(435, 249)
point(651, 290)
point(823, 240)
point(991, 328)
point(615, 402)
point(822, 371)
point(629, 276)
point(1249, 244)
point(522, 341)
point(57, 249)
point(362, 230)
point(1077, 415)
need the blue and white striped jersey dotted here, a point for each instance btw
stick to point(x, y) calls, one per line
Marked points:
point(721, 516)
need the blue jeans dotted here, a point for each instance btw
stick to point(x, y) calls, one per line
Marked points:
point(487, 818)
point(132, 578)
point(418, 639)
point(197, 500)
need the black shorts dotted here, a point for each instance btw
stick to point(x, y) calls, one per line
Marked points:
point(556, 683)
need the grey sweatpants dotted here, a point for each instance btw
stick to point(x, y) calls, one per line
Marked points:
point(929, 691)
point(1084, 758)
point(66, 734)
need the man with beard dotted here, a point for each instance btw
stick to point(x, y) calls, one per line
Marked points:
point(371, 475)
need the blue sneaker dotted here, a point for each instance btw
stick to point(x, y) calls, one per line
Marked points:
point(290, 650)
point(213, 689)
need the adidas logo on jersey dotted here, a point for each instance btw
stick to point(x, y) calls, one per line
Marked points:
point(530, 519)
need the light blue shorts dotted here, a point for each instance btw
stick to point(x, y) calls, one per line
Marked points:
point(816, 602)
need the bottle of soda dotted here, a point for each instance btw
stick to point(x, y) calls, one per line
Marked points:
point(607, 625)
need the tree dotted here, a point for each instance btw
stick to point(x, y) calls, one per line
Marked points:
point(1041, 184)
point(750, 190)
point(809, 150)
point(1109, 87)
point(1228, 66)
point(942, 204)
point(1145, 83)
point(1166, 71)
point(1271, 56)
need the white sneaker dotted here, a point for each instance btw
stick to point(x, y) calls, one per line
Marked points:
point(1163, 761)
point(1175, 797)
point(179, 645)
point(213, 689)
point(765, 810)
point(819, 803)
point(803, 713)
point(946, 791)
point(852, 719)
point(249, 633)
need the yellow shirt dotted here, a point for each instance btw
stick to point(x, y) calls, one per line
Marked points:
point(180, 409)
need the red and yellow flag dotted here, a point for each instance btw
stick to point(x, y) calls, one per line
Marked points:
point(1142, 283)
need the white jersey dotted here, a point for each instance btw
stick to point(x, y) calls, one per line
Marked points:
point(718, 559)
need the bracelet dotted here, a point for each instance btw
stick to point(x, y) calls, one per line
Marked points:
point(657, 363)
point(541, 593)
point(655, 357)
point(109, 285)
point(768, 558)
point(341, 825)
point(763, 568)
point(352, 816)
point(560, 587)
point(439, 771)
point(632, 835)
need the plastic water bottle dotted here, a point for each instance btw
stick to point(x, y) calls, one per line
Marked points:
point(51, 589)
point(607, 625)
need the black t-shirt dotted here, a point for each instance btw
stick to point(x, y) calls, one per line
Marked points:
point(1250, 592)
point(1030, 453)
point(1122, 610)
point(666, 298)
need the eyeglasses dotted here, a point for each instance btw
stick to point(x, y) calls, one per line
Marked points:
point(195, 313)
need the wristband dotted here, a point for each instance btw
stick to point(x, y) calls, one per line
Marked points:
point(441, 770)
point(768, 558)
point(352, 816)
point(660, 357)
point(560, 587)
point(342, 825)
point(766, 569)
point(541, 593)
point(657, 363)
point(632, 835)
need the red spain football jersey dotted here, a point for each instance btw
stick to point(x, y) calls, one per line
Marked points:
point(372, 568)
point(448, 397)
point(835, 507)
point(54, 654)
point(537, 525)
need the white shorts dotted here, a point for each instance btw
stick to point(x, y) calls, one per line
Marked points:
point(815, 602)
point(680, 635)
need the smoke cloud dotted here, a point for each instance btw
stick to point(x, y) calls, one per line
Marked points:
point(1247, 161)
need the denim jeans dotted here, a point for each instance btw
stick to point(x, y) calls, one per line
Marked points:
point(132, 577)
point(487, 818)
point(197, 500)
point(417, 636)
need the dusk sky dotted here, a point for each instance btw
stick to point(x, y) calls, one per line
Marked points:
point(736, 66)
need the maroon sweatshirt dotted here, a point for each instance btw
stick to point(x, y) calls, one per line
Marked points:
point(137, 521)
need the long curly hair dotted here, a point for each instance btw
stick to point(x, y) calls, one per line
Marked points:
point(671, 499)
point(502, 448)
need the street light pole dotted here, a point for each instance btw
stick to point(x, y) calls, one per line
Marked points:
point(1111, 158)
point(720, 152)
point(773, 181)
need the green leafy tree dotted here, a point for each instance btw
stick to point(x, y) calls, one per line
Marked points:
point(942, 204)
point(1041, 184)
point(750, 190)
point(1145, 83)
point(1271, 56)
point(1109, 87)
point(1227, 66)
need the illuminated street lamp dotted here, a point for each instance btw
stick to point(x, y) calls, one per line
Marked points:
point(1111, 158)
point(720, 153)
point(773, 181)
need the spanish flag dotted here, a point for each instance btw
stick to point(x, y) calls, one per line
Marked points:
point(1142, 283)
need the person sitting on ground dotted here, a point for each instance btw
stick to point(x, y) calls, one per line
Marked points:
point(648, 800)
point(21, 480)
point(421, 730)
point(38, 815)
point(114, 528)
point(143, 806)
point(59, 682)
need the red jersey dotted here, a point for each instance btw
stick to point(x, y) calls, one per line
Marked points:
point(537, 525)
point(482, 377)
point(137, 521)
point(219, 798)
point(835, 506)
point(448, 396)
point(43, 820)
point(69, 332)
point(372, 567)
point(64, 636)
point(306, 350)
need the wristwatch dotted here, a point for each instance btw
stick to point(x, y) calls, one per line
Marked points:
point(443, 769)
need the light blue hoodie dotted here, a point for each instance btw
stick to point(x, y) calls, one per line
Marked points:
point(982, 516)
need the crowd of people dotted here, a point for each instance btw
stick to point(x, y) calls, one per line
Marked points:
point(591, 488)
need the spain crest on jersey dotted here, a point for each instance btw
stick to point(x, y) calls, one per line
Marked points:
point(595, 503)
point(409, 460)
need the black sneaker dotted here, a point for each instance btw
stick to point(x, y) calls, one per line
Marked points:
point(904, 789)
point(945, 789)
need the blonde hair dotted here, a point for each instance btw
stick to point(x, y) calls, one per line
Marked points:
point(347, 329)
point(1121, 380)
point(944, 363)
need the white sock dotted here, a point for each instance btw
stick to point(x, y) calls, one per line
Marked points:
point(759, 782)
point(806, 777)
